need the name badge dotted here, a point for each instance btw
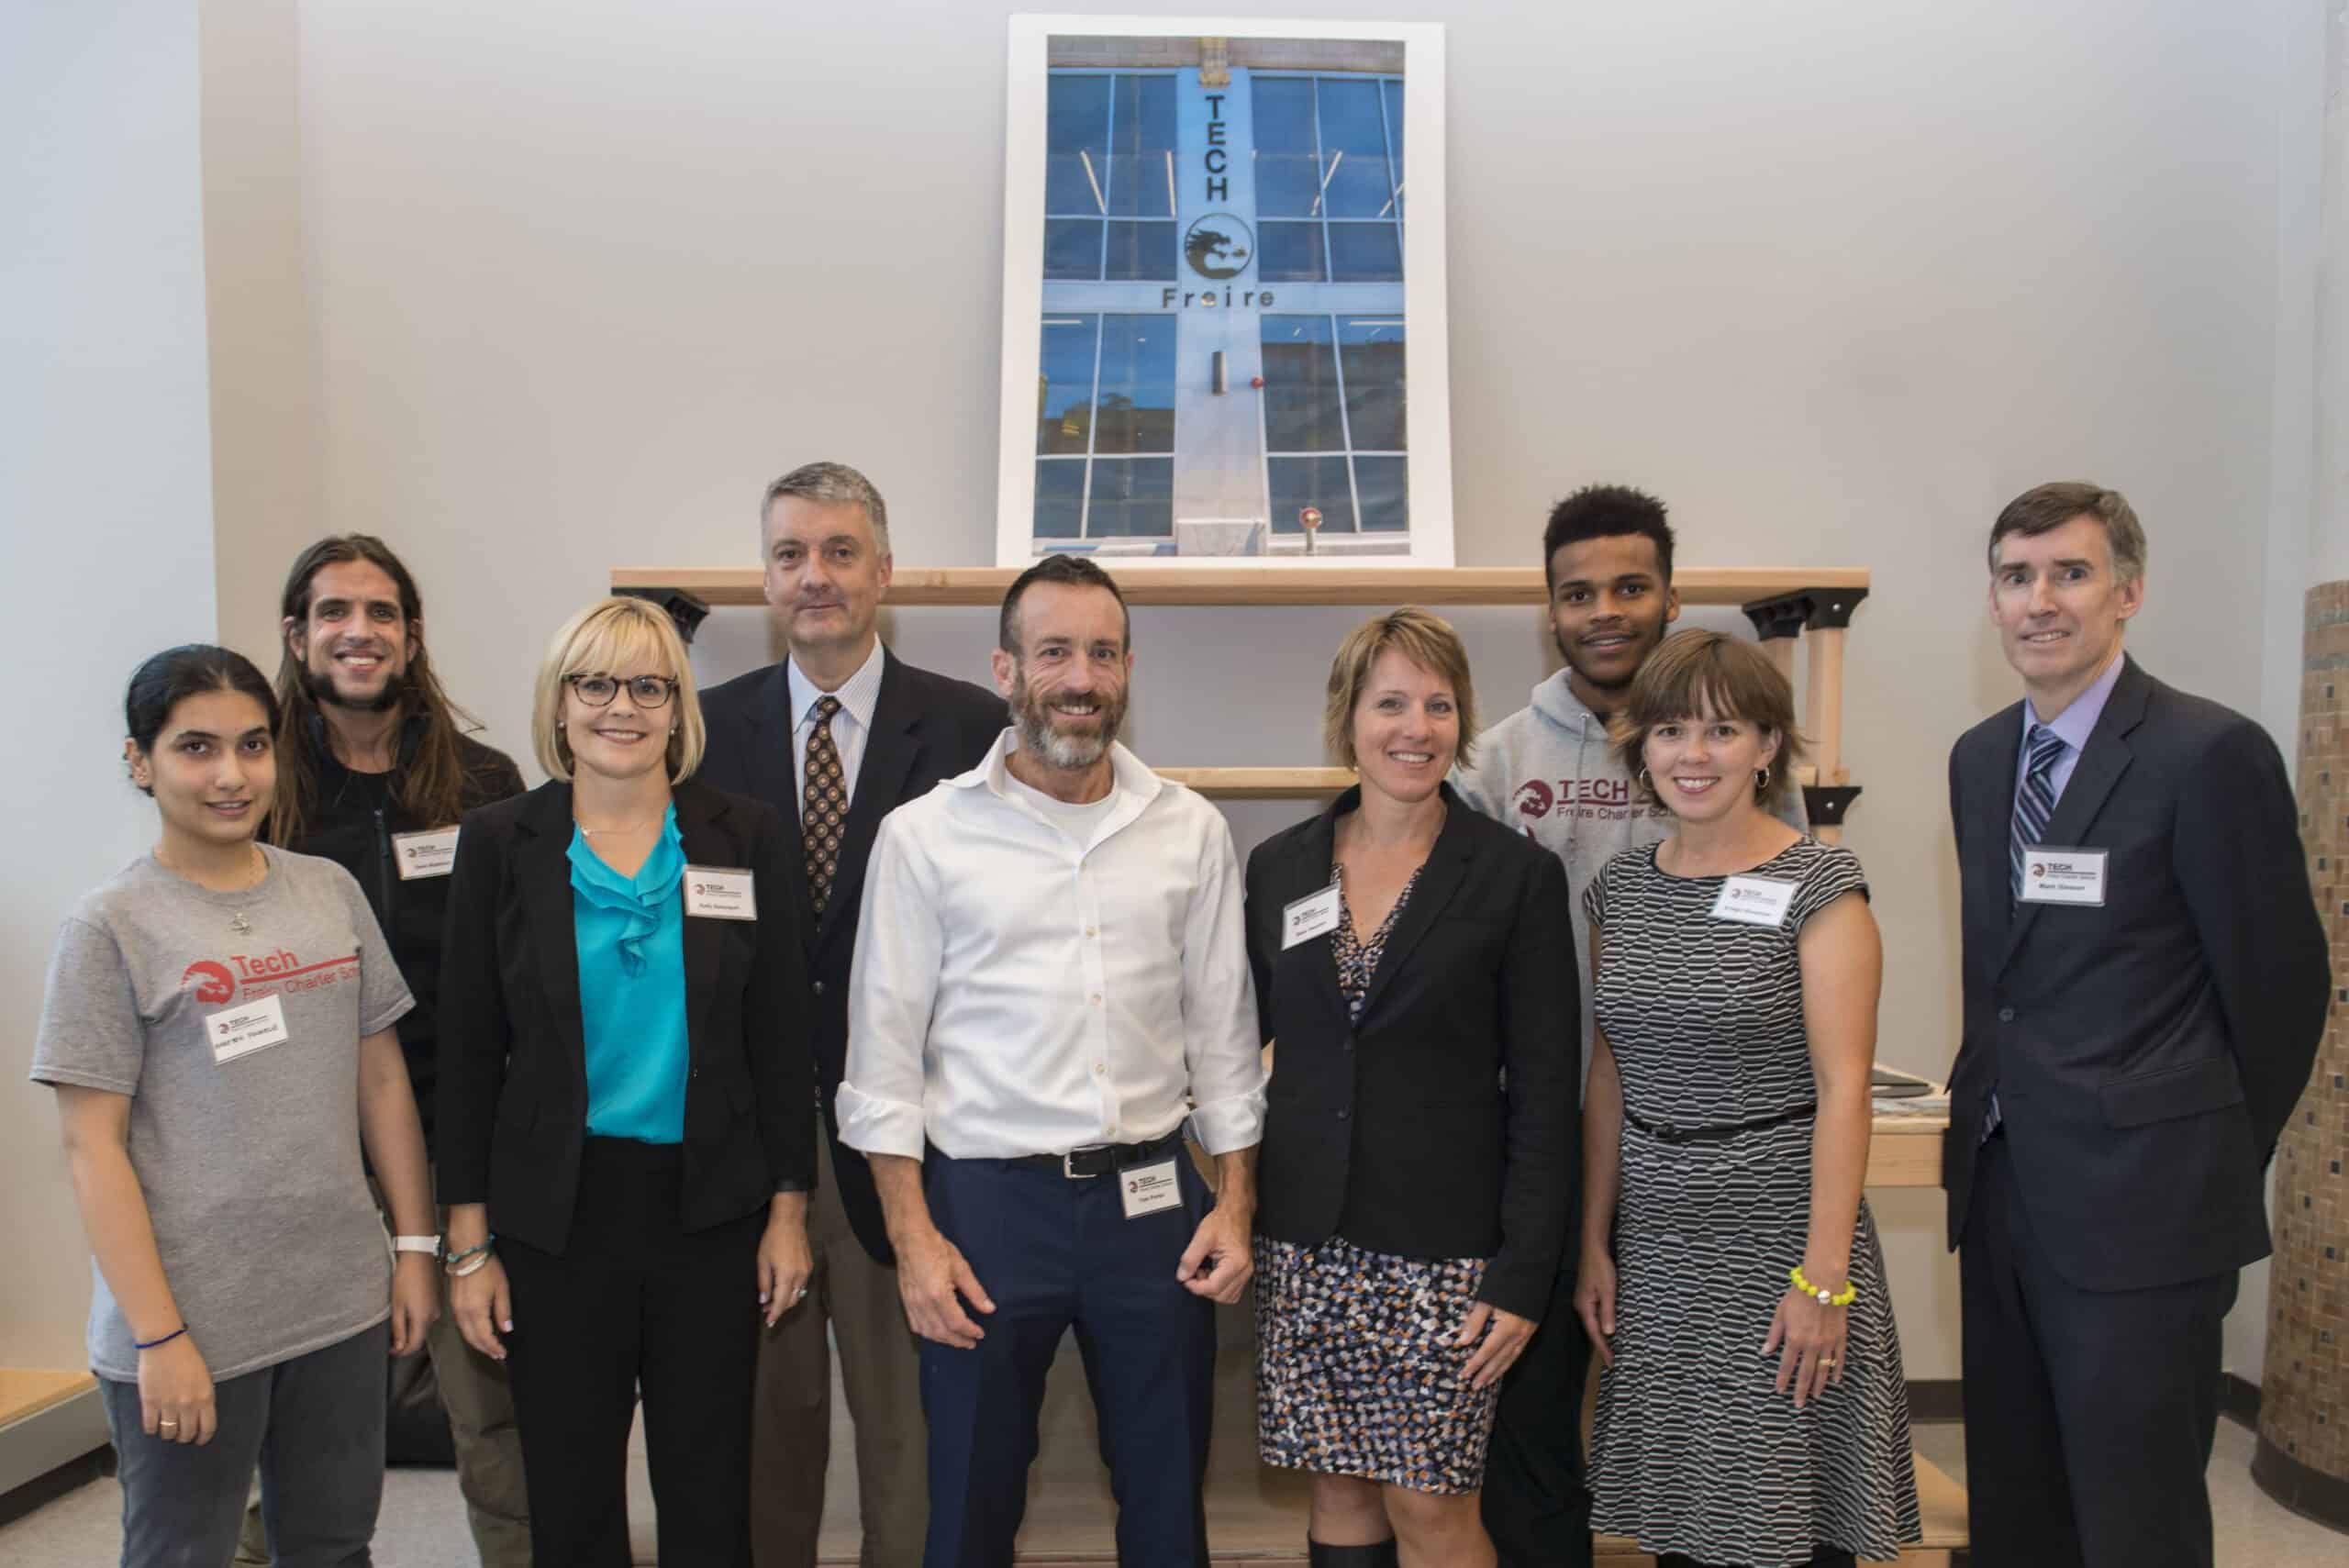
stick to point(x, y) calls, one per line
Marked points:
point(1309, 916)
point(1754, 901)
point(720, 893)
point(433, 853)
point(1146, 1189)
point(240, 1031)
point(2064, 876)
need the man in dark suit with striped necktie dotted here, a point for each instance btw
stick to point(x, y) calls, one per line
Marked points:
point(2145, 984)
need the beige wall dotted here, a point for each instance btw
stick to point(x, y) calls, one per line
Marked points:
point(534, 294)
point(106, 529)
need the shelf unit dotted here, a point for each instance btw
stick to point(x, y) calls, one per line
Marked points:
point(1783, 604)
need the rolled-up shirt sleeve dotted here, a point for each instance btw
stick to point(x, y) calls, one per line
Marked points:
point(1219, 1039)
point(892, 987)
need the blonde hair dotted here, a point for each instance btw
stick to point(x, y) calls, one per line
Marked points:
point(611, 637)
point(1692, 671)
point(1426, 640)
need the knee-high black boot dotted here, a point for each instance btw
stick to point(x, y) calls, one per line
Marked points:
point(1381, 1555)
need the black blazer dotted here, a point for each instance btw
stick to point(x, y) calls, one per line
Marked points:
point(1399, 1134)
point(513, 1049)
point(2146, 1053)
point(926, 727)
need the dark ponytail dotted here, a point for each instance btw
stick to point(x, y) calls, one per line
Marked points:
point(191, 670)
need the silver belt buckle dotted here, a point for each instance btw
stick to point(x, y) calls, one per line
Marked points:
point(1068, 1166)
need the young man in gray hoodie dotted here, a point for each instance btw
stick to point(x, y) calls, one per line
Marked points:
point(1549, 771)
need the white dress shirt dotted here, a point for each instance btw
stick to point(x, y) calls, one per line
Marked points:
point(1030, 985)
point(849, 726)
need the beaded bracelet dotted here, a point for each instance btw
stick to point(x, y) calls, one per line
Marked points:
point(1844, 1298)
point(451, 1260)
point(150, 1344)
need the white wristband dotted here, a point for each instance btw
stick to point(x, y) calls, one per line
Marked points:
point(428, 1245)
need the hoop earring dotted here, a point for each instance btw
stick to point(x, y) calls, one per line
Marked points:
point(1646, 783)
point(1761, 780)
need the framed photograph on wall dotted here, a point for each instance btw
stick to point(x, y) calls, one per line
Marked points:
point(1223, 297)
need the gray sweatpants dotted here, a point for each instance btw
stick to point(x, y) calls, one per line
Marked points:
point(314, 1426)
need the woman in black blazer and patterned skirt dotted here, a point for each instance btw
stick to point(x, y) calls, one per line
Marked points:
point(624, 1081)
point(1420, 1157)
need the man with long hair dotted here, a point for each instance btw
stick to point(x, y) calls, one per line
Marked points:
point(375, 772)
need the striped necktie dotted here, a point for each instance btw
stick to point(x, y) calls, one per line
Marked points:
point(2034, 802)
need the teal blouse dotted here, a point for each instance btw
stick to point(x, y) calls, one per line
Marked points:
point(631, 938)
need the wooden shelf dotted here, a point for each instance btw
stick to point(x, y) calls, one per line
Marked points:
point(1145, 584)
point(27, 1391)
point(1263, 784)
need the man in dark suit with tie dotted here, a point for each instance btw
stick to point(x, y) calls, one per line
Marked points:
point(2145, 985)
point(836, 737)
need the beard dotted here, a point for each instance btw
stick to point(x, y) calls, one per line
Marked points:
point(1033, 719)
point(322, 690)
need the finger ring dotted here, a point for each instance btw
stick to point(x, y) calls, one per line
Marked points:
point(167, 1423)
point(1827, 1361)
point(800, 1294)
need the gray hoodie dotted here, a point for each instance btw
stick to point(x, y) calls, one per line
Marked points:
point(1549, 771)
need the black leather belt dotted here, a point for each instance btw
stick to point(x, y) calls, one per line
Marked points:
point(1662, 1134)
point(1101, 1160)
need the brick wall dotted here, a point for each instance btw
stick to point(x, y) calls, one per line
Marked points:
point(2304, 1396)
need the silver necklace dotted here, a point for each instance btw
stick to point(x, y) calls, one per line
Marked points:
point(237, 921)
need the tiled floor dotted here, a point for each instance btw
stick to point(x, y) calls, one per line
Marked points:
point(1255, 1514)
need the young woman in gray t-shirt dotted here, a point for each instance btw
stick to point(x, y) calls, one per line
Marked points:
point(218, 1029)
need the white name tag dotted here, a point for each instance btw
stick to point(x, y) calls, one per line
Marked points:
point(2063, 876)
point(720, 893)
point(240, 1031)
point(1754, 901)
point(1309, 916)
point(1146, 1189)
point(425, 854)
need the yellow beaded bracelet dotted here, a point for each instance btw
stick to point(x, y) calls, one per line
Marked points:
point(1844, 1298)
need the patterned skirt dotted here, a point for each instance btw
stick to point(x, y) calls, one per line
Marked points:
point(1356, 1371)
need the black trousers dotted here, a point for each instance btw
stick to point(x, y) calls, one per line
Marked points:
point(633, 1301)
point(1537, 1497)
point(2089, 1414)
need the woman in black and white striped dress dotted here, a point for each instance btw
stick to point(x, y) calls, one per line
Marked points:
point(1753, 1409)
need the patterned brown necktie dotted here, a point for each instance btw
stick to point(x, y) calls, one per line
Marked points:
point(823, 806)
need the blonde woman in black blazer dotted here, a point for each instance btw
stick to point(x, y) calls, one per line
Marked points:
point(625, 1082)
point(1413, 961)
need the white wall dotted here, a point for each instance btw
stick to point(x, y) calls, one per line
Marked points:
point(536, 295)
point(2297, 534)
point(106, 549)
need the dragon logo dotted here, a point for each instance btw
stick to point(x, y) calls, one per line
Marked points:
point(213, 982)
point(1534, 798)
point(1218, 246)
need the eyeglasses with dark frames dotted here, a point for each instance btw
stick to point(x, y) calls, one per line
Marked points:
point(644, 691)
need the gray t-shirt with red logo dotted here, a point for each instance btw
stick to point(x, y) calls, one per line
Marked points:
point(246, 1148)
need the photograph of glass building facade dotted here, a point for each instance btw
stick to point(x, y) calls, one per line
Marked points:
point(1222, 341)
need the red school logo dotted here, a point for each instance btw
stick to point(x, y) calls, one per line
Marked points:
point(257, 974)
point(213, 982)
point(1534, 798)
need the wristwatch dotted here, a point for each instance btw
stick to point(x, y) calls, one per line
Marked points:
point(428, 1245)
